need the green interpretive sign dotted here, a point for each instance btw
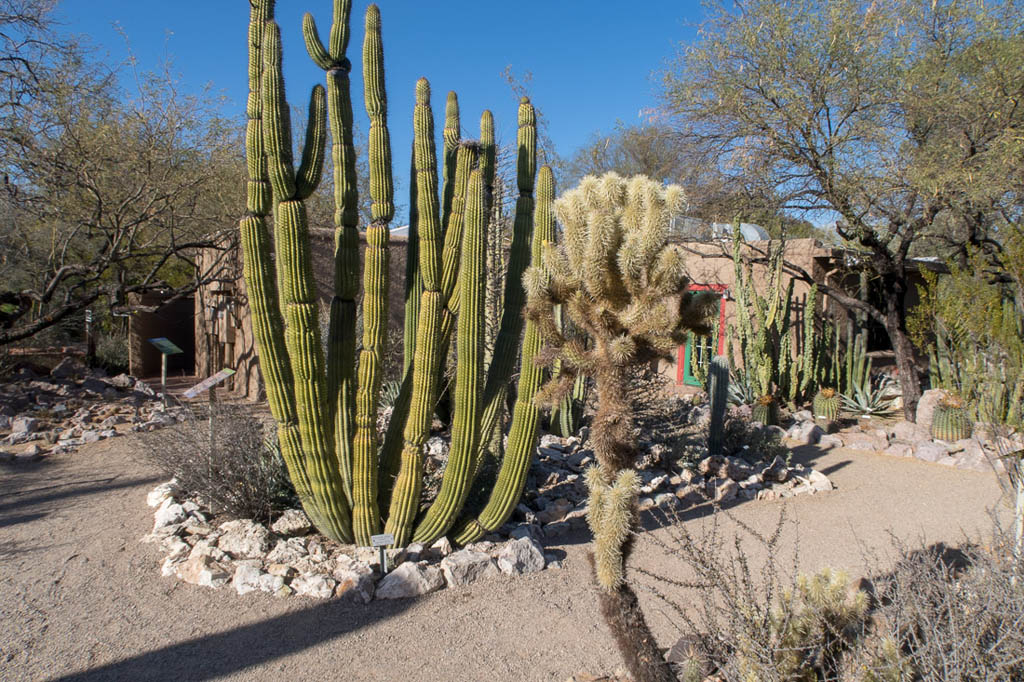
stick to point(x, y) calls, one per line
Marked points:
point(165, 346)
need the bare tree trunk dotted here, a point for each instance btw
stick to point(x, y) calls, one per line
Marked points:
point(896, 328)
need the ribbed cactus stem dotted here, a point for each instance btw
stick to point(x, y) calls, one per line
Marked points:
point(413, 280)
point(365, 512)
point(402, 471)
point(718, 392)
point(451, 133)
point(522, 438)
point(468, 374)
point(292, 361)
point(511, 326)
point(341, 335)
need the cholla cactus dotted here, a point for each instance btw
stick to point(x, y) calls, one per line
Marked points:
point(622, 285)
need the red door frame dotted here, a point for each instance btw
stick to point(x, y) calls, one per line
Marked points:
point(681, 352)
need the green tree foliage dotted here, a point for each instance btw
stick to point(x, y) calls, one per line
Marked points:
point(107, 192)
point(902, 120)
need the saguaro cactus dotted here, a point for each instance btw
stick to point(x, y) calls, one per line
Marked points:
point(326, 411)
point(620, 282)
point(718, 394)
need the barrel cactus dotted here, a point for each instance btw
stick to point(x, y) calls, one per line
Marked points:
point(765, 410)
point(826, 404)
point(950, 421)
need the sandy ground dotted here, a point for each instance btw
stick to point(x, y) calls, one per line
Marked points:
point(82, 599)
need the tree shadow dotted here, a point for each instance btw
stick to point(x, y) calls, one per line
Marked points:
point(22, 506)
point(217, 655)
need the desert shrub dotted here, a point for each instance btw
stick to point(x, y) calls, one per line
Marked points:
point(239, 471)
point(937, 614)
point(659, 416)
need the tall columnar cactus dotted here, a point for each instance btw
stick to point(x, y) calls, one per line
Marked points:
point(775, 362)
point(718, 394)
point(282, 320)
point(621, 284)
point(326, 411)
point(522, 438)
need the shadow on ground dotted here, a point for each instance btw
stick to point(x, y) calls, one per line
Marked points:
point(213, 656)
point(21, 506)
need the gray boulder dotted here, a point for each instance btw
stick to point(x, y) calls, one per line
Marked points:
point(467, 566)
point(410, 580)
point(926, 407)
point(523, 555)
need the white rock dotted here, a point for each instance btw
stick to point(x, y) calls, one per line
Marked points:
point(555, 511)
point(909, 432)
point(410, 580)
point(930, 452)
point(722, 489)
point(244, 539)
point(23, 425)
point(443, 547)
point(354, 580)
point(467, 566)
point(523, 555)
point(202, 570)
point(819, 481)
point(314, 585)
point(690, 494)
point(807, 433)
point(926, 407)
point(169, 513)
point(169, 567)
point(247, 576)
point(271, 583)
point(292, 522)
point(830, 440)
point(286, 551)
point(665, 500)
point(898, 449)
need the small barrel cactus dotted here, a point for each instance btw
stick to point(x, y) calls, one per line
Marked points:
point(765, 410)
point(826, 404)
point(950, 421)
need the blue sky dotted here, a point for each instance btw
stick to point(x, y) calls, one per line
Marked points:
point(591, 62)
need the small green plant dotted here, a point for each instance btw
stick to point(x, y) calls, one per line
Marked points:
point(876, 398)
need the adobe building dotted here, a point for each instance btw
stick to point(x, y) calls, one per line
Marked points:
point(223, 333)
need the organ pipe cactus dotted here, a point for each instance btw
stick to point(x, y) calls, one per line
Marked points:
point(619, 282)
point(326, 410)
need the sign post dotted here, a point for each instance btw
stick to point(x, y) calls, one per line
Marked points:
point(381, 541)
point(166, 347)
point(210, 384)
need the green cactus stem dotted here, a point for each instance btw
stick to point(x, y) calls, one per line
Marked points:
point(950, 421)
point(522, 437)
point(826, 404)
point(468, 380)
point(405, 472)
point(718, 393)
point(341, 335)
point(365, 513)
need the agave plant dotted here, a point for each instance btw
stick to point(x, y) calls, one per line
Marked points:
point(874, 398)
point(741, 388)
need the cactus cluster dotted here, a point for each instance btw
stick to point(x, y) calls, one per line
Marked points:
point(325, 403)
point(777, 356)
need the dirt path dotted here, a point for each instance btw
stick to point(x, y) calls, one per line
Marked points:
point(81, 599)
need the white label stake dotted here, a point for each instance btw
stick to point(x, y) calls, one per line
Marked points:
point(382, 541)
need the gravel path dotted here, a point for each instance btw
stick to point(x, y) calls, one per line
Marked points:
point(82, 599)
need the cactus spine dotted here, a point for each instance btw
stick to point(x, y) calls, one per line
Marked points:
point(718, 394)
point(522, 438)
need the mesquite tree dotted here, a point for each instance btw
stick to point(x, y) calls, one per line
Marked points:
point(619, 282)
